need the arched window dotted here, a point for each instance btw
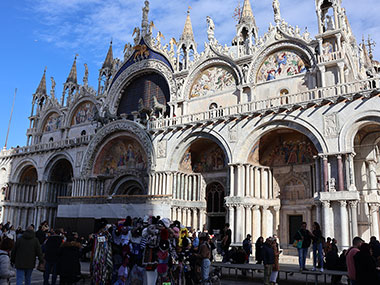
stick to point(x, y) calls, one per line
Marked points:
point(215, 198)
point(83, 133)
point(284, 92)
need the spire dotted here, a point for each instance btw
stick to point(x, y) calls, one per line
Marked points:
point(108, 62)
point(247, 14)
point(42, 86)
point(73, 72)
point(188, 29)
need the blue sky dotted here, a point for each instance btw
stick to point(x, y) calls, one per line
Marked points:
point(39, 33)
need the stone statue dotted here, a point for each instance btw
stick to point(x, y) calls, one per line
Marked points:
point(52, 91)
point(172, 42)
point(145, 22)
point(158, 39)
point(306, 35)
point(329, 23)
point(137, 38)
point(85, 78)
point(210, 29)
point(276, 10)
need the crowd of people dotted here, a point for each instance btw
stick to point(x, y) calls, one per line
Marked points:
point(152, 250)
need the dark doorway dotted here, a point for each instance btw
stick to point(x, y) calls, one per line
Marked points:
point(294, 225)
point(216, 212)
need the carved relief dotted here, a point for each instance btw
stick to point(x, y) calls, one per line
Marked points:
point(161, 148)
point(79, 157)
point(331, 125)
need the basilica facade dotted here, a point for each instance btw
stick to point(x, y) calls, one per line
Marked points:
point(275, 129)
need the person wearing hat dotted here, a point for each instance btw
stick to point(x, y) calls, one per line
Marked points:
point(247, 246)
point(352, 251)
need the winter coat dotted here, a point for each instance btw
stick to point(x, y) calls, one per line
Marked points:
point(268, 254)
point(68, 260)
point(5, 268)
point(365, 267)
point(258, 251)
point(51, 248)
point(276, 265)
point(26, 250)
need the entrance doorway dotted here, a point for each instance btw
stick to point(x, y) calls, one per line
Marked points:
point(216, 212)
point(294, 225)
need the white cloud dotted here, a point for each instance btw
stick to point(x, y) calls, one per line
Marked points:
point(88, 25)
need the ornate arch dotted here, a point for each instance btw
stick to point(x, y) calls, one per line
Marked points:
point(129, 127)
point(352, 126)
point(128, 176)
point(47, 115)
point(245, 143)
point(173, 162)
point(115, 92)
point(21, 166)
point(296, 46)
point(75, 107)
point(51, 161)
point(212, 62)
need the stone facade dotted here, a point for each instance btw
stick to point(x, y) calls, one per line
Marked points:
point(264, 134)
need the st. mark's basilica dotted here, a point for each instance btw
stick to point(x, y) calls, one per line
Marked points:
point(275, 129)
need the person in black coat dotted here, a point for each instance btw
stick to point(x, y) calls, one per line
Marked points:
point(68, 266)
point(365, 266)
point(258, 250)
point(51, 248)
point(268, 259)
point(306, 236)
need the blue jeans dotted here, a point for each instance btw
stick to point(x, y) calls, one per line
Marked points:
point(317, 247)
point(23, 273)
point(205, 269)
point(50, 268)
point(302, 253)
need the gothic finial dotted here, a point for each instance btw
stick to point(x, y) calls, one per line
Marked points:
point(41, 89)
point(276, 10)
point(108, 62)
point(188, 29)
point(73, 72)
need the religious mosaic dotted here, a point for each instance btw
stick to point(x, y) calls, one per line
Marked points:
point(120, 154)
point(279, 65)
point(283, 149)
point(212, 80)
point(84, 114)
point(211, 159)
point(53, 123)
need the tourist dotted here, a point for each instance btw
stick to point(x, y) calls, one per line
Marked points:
point(24, 255)
point(51, 248)
point(68, 266)
point(276, 265)
point(351, 252)
point(375, 247)
point(226, 241)
point(40, 235)
point(317, 246)
point(258, 250)
point(327, 246)
point(305, 236)
point(205, 253)
point(5, 266)
point(247, 246)
point(268, 259)
point(365, 266)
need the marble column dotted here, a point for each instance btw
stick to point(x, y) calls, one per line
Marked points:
point(325, 174)
point(257, 182)
point(350, 158)
point(247, 180)
point(232, 181)
point(372, 175)
point(264, 222)
point(251, 181)
point(326, 219)
point(240, 176)
point(248, 220)
point(318, 212)
point(231, 221)
point(195, 219)
point(340, 173)
point(239, 229)
point(276, 221)
point(345, 238)
point(202, 218)
point(256, 222)
point(354, 217)
point(374, 214)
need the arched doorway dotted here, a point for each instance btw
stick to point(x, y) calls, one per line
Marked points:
point(128, 185)
point(203, 164)
point(288, 155)
point(216, 211)
point(367, 177)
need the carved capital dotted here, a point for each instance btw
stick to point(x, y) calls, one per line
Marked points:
point(256, 208)
point(353, 204)
point(343, 204)
point(326, 204)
